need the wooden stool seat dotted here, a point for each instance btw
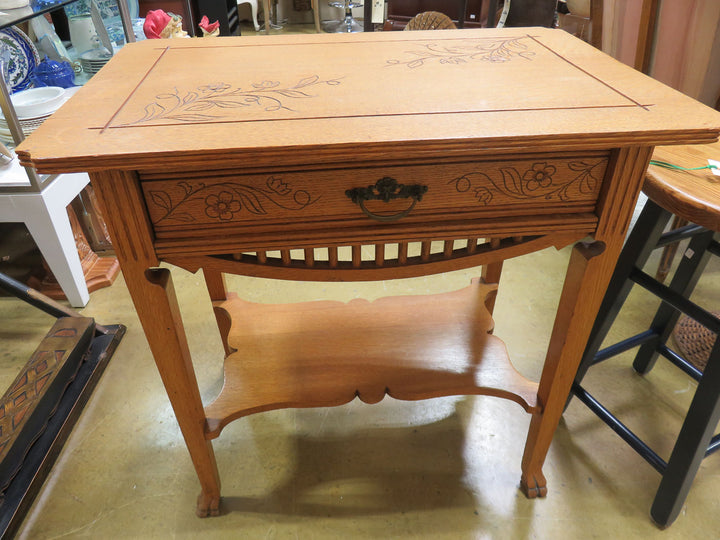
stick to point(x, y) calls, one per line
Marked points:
point(693, 197)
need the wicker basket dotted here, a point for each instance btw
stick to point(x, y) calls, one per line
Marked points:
point(694, 341)
point(430, 20)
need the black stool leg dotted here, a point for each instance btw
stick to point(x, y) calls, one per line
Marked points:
point(640, 244)
point(704, 413)
point(686, 276)
point(692, 443)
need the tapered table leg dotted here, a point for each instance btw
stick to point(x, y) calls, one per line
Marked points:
point(215, 283)
point(166, 335)
point(156, 304)
point(589, 271)
point(572, 326)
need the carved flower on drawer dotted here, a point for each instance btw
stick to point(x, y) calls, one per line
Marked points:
point(278, 186)
point(539, 176)
point(222, 206)
point(483, 195)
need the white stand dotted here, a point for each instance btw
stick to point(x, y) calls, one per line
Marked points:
point(253, 10)
point(44, 213)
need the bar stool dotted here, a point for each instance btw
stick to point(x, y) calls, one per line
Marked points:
point(315, 9)
point(347, 23)
point(693, 195)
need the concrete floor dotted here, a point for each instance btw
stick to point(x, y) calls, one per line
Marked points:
point(442, 468)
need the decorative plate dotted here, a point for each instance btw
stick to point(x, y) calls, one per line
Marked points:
point(21, 58)
point(109, 9)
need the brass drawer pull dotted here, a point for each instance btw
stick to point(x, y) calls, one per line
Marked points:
point(386, 189)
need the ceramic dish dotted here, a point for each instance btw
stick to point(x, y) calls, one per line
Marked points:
point(6, 136)
point(93, 61)
point(37, 101)
point(66, 94)
point(21, 58)
point(31, 123)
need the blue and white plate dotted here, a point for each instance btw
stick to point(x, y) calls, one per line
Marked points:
point(21, 58)
point(109, 9)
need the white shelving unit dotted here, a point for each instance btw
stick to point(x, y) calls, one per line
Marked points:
point(40, 201)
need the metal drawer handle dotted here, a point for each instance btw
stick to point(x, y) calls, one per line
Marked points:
point(386, 189)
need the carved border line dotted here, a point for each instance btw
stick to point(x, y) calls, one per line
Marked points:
point(633, 103)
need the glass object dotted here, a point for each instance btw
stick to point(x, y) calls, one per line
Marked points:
point(348, 24)
point(52, 73)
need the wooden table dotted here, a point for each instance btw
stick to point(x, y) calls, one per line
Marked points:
point(273, 156)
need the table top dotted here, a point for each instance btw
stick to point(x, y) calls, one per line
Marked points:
point(287, 99)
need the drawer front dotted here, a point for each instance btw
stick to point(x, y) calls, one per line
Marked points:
point(431, 192)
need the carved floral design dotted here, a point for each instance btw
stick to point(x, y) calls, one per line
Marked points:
point(487, 50)
point(224, 200)
point(210, 101)
point(222, 206)
point(540, 175)
point(537, 182)
point(483, 195)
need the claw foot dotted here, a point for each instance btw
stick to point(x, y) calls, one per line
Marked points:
point(207, 506)
point(534, 486)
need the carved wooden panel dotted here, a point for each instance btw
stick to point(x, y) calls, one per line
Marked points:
point(547, 185)
point(33, 397)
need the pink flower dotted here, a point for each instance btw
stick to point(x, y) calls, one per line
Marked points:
point(155, 21)
point(207, 27)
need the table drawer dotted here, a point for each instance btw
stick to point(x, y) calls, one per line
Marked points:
point(430, 192)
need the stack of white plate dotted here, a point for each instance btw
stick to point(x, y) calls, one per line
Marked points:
point(33, 107)
point(93, 61)
point(28, 126)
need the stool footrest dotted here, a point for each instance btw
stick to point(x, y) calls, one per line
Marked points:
point(621, 429)
point(680, 362)
point(713, 446)
point(624, 345)
point(676, 300)
point(714, 248)
point(676, 235)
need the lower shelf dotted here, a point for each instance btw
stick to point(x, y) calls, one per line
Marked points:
point(326, 353)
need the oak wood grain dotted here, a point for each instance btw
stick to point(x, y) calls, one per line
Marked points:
point(154, 298)
point(404, 266)
point(408, 347)
point(589, 271)
point(528, 137)
point(567, 184)
point(297, 100)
